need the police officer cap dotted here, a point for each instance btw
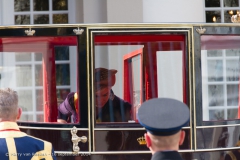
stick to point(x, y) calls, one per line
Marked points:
point(163, 116)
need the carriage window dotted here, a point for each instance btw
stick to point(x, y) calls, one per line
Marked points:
point(130, 69)
point(42, 70)
point(220, 77)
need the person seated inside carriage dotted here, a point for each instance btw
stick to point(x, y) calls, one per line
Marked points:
point(109, 107)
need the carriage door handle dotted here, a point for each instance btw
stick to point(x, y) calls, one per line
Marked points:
point(76, 139)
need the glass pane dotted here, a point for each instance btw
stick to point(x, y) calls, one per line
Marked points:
point(215, 95)
point(22, 19)
point(60, 5)
point(232, 95)
point(216, 115)
point(61, 53)
point(220, 77)
point(30, 68)
point(215, 70)
point(218, 137)
point(41, 19)
point(214, 53)
point(25, 100)
point(40, 118)
point(232, 113)
point(213, 16)
point(62, 74)
point(23, 57)
point(38, 56)
point(212, 3)
point(39, 100)
point(21, 5)
point(121, 85)
point(108, 142)
point(40, 5)
point(232, 70)
point(26, 117)
point(60, 18)
point(38, 75)
point(233, 52)
point(231, 3)
point(24, 75)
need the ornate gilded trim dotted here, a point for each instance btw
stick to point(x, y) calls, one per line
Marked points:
point(30, 32)
point(201, 30)
point(76, 139)
point(78, 31)
point(47, 128)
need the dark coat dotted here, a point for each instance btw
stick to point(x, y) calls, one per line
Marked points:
point(115, 110)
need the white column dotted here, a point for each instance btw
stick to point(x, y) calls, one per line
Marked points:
point(75, 8)
point(94, 11)
point(124, 11)
point(7, 12)
point(1, 13)
point(173, 11)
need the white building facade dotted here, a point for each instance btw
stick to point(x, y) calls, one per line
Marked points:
point(109, 11)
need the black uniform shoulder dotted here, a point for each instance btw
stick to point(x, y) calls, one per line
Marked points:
point(170, 155)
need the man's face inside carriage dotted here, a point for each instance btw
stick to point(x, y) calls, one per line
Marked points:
point(102, 96)
point(104, 80)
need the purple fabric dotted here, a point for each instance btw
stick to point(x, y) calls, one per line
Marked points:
point(65, 107)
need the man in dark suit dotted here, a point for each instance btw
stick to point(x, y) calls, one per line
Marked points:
point(163, 119)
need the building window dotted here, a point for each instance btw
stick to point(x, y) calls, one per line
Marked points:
point(220, 11)
point(40, 11)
